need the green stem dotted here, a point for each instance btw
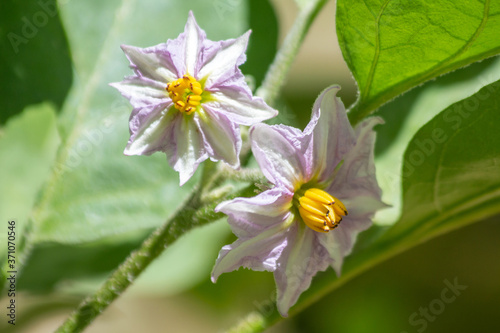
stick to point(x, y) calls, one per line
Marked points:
point(244, 175)
point(278, 70)
point(22, 253)
point(192, 214)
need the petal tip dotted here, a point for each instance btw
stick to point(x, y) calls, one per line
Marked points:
point(128, 151)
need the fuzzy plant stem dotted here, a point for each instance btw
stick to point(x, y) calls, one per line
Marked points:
point(277, 72)
point(192, 214)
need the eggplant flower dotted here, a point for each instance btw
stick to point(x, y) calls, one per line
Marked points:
point(189, 98)
point(321, 176)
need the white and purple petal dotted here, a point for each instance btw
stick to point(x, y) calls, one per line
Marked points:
point(331, 134)
point(259, 253)
point(221, 137)
point(152, 62)
point(240, 106)
point(221, 59)
point(250, 216)
point(185, 51)
point(355, 180)
point(185, 150)
point(150, 128)
point(279, 158)
point(298, 263)
point(142, 91)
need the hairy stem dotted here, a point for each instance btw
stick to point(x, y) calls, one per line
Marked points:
point(278, 70)
point(192, 214)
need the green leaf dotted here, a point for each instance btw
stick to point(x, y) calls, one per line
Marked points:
point(393, 46)
point(451, 170)
point(35, 63)
point(95, 191)
point(263, 41)
point(28, 147)
point(420, 106)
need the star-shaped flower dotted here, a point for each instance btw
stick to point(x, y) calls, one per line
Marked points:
point(188, 97)
point(321, 176)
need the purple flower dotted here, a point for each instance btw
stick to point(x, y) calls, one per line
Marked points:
point(189, 97)
point(321, 176)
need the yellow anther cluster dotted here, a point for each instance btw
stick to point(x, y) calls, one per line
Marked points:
point(320, 211)
point(185, 93)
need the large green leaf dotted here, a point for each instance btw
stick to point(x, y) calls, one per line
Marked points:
point(35, 64)
point(96, 191)
point(393, 46)
point(419, 106)
point(451, 170)
point(28, 147)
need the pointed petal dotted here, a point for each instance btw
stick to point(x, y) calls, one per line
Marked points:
point(299, 262)
point(221, 60)
point(185, 151)
point(258, 253)
point(279, 159)
point(339, 242)
point(152, 62)
point(356, 178)
point(241, 107)
point(248, 217)
point(194, 41)
point(141, 91)
point(363, 206)
point(221, 137)
point(185, 50)
point(332, 134)
point(150, 127)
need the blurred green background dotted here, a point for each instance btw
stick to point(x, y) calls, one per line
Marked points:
point(71, 258)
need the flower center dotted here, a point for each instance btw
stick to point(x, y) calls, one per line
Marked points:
point(185, 93)
point(320, 211)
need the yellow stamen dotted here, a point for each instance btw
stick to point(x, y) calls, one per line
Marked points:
point(320, 211)
point(185, 92)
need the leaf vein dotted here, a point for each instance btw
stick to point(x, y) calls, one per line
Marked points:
point(377, 51)
point(437, 175)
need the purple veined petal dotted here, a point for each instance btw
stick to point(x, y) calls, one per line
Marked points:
point(141, 91)
point(249, 217)
point(221, 137)
point(151, 62)
point(241, 107)
point(185, 150)
point(362, 206)
point(339, 242)
point(223, 63)
point(185, 50)
point(259, 253)
point(149, 128)
point(299, 262)
point(332, 134)
point(356, 176)
point(193, 43)
point(280, 161)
